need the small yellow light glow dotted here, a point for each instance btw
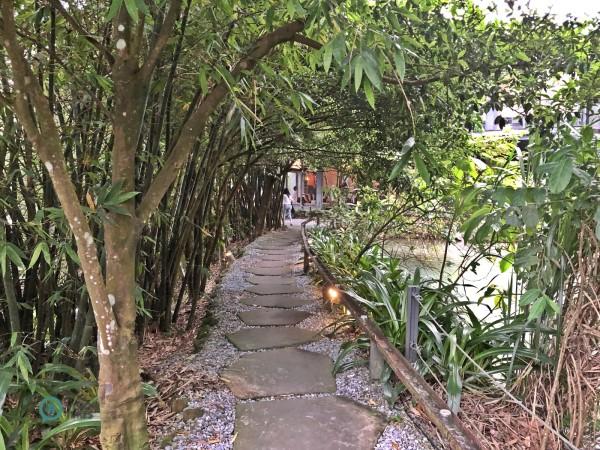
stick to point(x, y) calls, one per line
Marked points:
point(332, 293)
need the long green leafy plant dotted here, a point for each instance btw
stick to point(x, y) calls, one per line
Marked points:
point(450, 328)
point(24, 424)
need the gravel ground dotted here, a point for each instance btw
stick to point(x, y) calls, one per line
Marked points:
point(214, 430)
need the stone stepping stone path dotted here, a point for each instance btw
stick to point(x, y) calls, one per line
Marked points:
point(256, 279)
point(272, 317)
point(248, 339)
point(272, 289)
point(275, 301)
point(327, 422)
point(269, 271)
point(280, 372)
point(322, 423)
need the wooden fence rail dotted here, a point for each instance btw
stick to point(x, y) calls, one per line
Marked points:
point(450, 426)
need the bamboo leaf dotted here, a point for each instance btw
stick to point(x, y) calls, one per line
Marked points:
point(522, 56)
point(72, 254)
point(115, 6)
point(338, 47)
point(15, 254)
point(537, 309)
point(24, 366)
point(124, 196)
point(530, 296)
point(454, 384)
point(132, 9)
point(371, 68)
point(587, 134)
point(422, 168)
point(530, 216)
point(473, 221)
point(92, 423)
point(39, 248)
point(3, 258)
point(203, 81)
point(551, 305)
point(560, 175)
point(327, 56)
point(149, 390)
point(597, 219)
point(400, 64)
point(369, 93)
point(142, 6)
point(358, 71)
point(507, 262)
point(526, 257)
point(5, 378)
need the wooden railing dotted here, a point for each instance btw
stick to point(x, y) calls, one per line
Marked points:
point(449, 424)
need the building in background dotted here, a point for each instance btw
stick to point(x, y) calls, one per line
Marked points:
point(312, 185)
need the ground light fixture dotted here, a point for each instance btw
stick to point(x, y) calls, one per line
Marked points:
point(332, 294)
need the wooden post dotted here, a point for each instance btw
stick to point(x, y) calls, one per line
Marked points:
point(319, 187)
point(376, 362)
point(306, 261)
point(412, 323)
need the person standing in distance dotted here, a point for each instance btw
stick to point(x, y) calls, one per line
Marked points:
point(287, 206)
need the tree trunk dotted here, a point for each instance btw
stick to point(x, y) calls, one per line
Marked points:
point(121, 399)
point(261, 215)
point(120, 393)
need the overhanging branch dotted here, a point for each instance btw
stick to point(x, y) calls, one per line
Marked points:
point(302, 39)
point(194, 125)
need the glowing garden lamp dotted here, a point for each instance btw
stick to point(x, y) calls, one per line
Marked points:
point(332, 294)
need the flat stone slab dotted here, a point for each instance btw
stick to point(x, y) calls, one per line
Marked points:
point(282, 245)
point(272, 317)
point(256, 279)
point(280, 259)
point(270, 271)
point(280, 372)
point(275, 301)
point(275, 245)
point(322, 423)
point(279, 262)
point(272, 289)
point(283, 261)
point(248, 339)
point(280, 251)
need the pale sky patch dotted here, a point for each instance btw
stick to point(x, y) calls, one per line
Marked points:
point(581, 9)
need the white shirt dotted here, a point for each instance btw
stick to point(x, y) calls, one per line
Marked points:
point(286, 199)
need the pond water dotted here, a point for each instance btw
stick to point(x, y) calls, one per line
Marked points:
point(428, 257)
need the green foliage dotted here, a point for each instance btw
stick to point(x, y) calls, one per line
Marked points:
point(110, 198)
point(21, 425)
point(379, 283)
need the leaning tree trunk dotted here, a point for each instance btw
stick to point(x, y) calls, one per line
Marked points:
point(265, 200)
